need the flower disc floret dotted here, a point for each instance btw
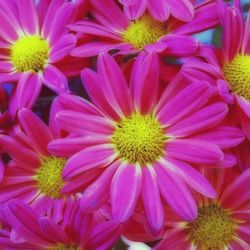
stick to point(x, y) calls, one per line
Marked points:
point(237, 74)
point(29, 53)
point(213, 228)
point(144, 31)
point(139, 139)
point(49, 176)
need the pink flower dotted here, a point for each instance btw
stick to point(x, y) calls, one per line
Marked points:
point(222, 223)
point(75, 231)
point(33, 42)
point(228, 69)
point(111, 30)
point(141, 145)
point(33, 175)
point(160, 10)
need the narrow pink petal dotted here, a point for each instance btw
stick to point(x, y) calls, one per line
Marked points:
point(246, 39)
point(89, 158)
point(115, 88)
point(195, 151)
point(244, 105)
point(54, 79)
point(125, 190)
point(160, 9)
point(84, 124)
point(40, 136)
point(237, 193)
point(182, 9)
point(144, 81)
point(183, 103)
point(191, 176)
point(52, 229)
point(23, 156)
point(135, 11)
point(222, 136)
point(151, 199)
point(28, 89)
point(62, 48)
point(202, 119)
point(112, 13)
point(69, 146)
point(28, 16)
point(61, 18)
point(98, 192)
point(176, 193)
point(6, 66)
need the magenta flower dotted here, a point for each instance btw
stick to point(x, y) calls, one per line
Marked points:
point(33, 175)
point(222, 223)
point(144, 146)
point(160, 10)
point(112, 30)
point(228, 69)
point(77, 231)
point(33, 41)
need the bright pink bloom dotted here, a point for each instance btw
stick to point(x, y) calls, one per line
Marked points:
point(75, 231)
point(143, 145)
point(33, 175)
point(160, 10)
point(222, 223)
point(33, 42)
point(228, 69)
point(111, 30)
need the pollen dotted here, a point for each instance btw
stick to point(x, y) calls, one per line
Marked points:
point(139, 139)
point(144, 31)
point(65, 247)
point(29, 53)
point(213, 228)
point(49, 176)
point(237, 74)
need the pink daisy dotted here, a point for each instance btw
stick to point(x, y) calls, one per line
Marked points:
point(160, 10)
point(141, 143)
point(33, 41)
point(33, 175)
point(111, 30)
point(222, 223)
point(229, 67)
point(76, 231)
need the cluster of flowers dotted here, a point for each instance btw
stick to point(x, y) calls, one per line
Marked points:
point(154, 147)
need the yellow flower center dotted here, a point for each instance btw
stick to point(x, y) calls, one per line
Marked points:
point(49, 176)
point(237, 74)
point(139, 139)
point(29, 53)
point(66, 247)
point(213, 228)
point(144, 31)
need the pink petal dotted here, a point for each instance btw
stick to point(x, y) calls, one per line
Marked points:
point(191, 176)
point(182, 9)
point(89, 158)
point(151, 199)
point(176, 193)
point(134, 11)
point(98, 192)
point(183, 103)
point(144, 81)
point(28, 89)
point(202, 119)
point(40, 136)
point(159, 9)
point(62, 48)
point(28, 16)
point(125, 190)
point(246, 39)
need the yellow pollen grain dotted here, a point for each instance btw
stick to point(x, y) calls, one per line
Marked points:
point(139, 139)
point(29, 53)
point(144, 31)
point(237, 74)
point(49, 176)
point(212, 229)
point(66, 247)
